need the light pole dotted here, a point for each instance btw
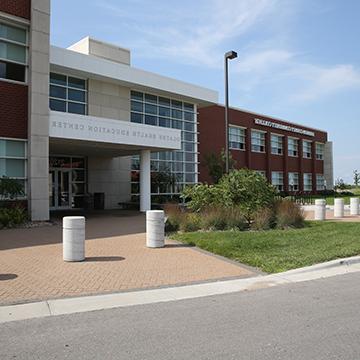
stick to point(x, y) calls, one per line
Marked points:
point(228, 56)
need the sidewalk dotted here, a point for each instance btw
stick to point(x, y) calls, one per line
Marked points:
point(109, 301)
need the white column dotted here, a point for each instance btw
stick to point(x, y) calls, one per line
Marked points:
point(320, 209)
point(145, 181)
point(339, 208)
point(354, 206)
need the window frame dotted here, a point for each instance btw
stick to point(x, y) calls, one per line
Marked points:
point(296, 186)
point(241, 136)
point(277, 184)
point(307, 185)
point(262, 146)
point(293, 152)
point(317, 182)
point(281, 142)
point(319, 156)
point(307, 154)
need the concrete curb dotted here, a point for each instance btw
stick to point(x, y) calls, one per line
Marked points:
point(109, 301)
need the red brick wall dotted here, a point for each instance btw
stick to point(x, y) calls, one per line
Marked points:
point(19, 8)
point(212, 140)
point(13, 110)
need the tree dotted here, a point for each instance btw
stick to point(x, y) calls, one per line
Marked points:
point(216, 164)
point(340, 184)
point(356, 178)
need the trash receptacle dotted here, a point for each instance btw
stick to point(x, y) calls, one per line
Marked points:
point(99, 201)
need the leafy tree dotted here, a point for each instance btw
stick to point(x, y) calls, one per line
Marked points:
point(10, 188)
point(340, 184)
point(356, 178)
point(216, 164)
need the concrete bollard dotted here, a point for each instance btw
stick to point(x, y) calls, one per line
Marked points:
point(339, 208)
point(320, 209)
point(74, 238)
point(354, 206)
point(155, 228)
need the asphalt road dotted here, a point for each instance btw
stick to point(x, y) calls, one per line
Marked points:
point(313, 320)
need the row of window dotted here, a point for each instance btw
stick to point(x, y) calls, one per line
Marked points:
point(237, 140)
point(13, 52)
point(277, 179)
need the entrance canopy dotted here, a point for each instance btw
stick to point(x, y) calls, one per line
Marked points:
point(107, 136)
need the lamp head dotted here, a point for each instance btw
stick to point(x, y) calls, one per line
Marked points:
point(231, 55)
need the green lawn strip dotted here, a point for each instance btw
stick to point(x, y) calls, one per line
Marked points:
point(280, 250)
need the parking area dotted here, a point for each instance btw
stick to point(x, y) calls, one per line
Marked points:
point(31, 265)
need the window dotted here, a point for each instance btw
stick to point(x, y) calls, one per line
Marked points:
point(293, 181)
point(277, 180)
point(307, 149)
point(276, 144)
point(13, 160)
point(293, 147)
point(182, 164)
point(320, 182)
point(257, 141)
point(13, 53)
point(307, 182)
point(68, 94)
point(236, 138)
point(320, 151)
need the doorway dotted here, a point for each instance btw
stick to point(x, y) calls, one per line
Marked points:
point(60, 189)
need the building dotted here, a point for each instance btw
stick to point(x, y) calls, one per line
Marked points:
point(294, 158)
point(74, 121)
point(82, 123)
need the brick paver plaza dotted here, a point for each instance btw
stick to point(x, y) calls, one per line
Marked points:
point(31, 265)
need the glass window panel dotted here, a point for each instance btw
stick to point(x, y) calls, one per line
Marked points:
point(13, 52)
point(57, 92)
point(150, 109)
point(165, 155)
point(189, 167)
point(164, 101)
point(164, 122)
point(13, 33)
point(176, 104)
point(59, 162)
point(78, 175)
point(76, 83)
point(150, 120)
point(189, 147)
point(135, 188)
point(188, 106)
point(57, 105)
point(137, 118)
point(154, 155)
point(177, 156)
point(163, 111)
point(78, 188)
point(75, 108)
point(13, 167)
point(189, 126)
point(189, 136)
point(15, 148)
point(12, 71)
point(137, 106)
point(179, 177)
point(189, 116)
point(177, 166)
point(176, 124)
point(136, 95)
point(57, 79)
point(78, 163)
point(189, 178)
point(189, 157)
point(151, 98)
point(177, 114)
point(77, 95)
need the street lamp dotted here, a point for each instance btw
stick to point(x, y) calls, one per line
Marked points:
point(228, 56)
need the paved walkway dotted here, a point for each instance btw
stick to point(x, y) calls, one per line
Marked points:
point(31, 265)
point(310, 214)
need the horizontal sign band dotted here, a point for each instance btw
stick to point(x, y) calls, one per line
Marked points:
point(283, 127)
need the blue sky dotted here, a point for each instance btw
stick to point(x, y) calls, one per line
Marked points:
point(298, 59)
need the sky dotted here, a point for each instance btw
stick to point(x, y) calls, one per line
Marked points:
point(298, 60)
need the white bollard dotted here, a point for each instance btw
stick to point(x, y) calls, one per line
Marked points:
point(338, 208)
point(74, 238)
point(320, 209)
point(354, 206)
point(155, 228)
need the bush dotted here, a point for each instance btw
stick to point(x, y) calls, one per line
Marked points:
point(10, 217)
point(10, 188)
point(190, 222)
point(173, 217)
point(264, 219)
point(221, 218)
point(288, 214)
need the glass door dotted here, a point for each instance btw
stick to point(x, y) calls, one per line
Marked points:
point(60, 189)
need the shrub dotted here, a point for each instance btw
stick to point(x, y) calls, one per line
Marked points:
point(248, 190)
point(174, 217)
point(190, 222)
point(201, 196)
point(264, 219)
point(10, 188)
point(10, 217)
point(221, 218)
point(288, 214)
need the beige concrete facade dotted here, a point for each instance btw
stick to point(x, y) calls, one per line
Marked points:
point(38, 126)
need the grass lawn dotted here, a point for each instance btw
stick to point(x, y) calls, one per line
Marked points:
point(280, 250)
